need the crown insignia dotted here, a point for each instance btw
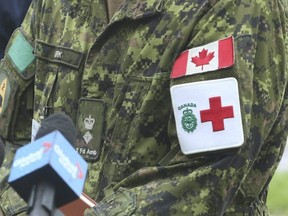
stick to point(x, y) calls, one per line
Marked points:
point(189, 121)
point(89, 123)
point(187, 112)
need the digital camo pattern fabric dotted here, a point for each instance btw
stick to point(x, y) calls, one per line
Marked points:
point(126, 64)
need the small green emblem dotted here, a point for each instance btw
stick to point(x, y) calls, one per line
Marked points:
point(21, 52)
point(189, 121)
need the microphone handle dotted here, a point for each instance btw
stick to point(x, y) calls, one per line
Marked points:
point(41, 201)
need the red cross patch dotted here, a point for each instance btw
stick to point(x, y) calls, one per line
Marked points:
point(216, 114)
point(208, 115)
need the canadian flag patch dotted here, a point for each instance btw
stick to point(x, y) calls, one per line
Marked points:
point(210, 57)
point(207, 115)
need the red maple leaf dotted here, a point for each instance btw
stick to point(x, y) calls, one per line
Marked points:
point(203, 58)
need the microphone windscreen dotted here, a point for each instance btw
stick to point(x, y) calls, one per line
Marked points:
point(2, 152)
point(60, 122)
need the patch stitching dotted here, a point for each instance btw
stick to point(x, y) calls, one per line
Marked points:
point(221, 128)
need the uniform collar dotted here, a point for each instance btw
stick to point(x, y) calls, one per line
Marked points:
point(95, 11)
point(138, 9)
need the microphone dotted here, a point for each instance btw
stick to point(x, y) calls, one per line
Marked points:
point(60, 122)
point(49, 173)
point(2, 152)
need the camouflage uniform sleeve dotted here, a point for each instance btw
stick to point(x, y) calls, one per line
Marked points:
point(225, 182)
point(17, 71)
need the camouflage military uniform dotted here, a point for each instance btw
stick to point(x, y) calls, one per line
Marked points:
point(113, 79)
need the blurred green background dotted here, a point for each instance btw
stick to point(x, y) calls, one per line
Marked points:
point(278, 191)
point(278, 194)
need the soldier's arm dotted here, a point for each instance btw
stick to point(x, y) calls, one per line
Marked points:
point(17, 71)
point(208, 183)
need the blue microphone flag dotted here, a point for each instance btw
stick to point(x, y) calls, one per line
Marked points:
point(50, 158)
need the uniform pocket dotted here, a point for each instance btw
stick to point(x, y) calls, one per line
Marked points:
point(57, 79)
point(140, 135)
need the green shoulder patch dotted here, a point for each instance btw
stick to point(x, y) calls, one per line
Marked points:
point(21, 53)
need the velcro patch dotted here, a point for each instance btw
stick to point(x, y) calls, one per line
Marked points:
point(90, 124)
point(208, 115)
point(210, 57)
point(21, 53)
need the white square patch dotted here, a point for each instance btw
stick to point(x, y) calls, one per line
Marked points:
point(208, 115)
